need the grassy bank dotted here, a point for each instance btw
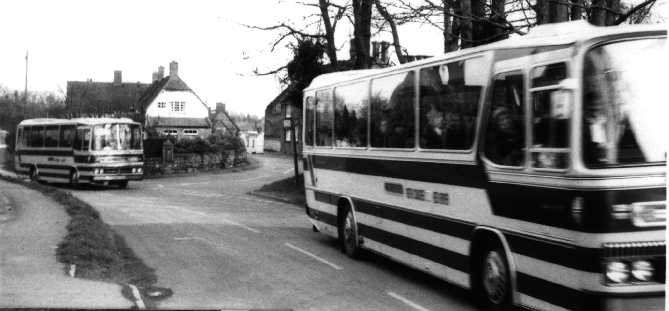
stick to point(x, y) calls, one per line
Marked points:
point(284, 190)
point(98, 252)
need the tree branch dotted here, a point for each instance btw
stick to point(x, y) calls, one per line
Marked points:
point(633, 10)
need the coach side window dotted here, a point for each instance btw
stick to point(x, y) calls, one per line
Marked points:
point(82, 140)
point(351, 107)
point(449, 100)
point(505, 134)
point(51, 136)
point(37, 136)
point(66, 136)
point(309, 121)
point(549, 120)
point(324, 118)
point(392, 115)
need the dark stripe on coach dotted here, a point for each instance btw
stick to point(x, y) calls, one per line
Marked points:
point(575, 257)
point(453, 174)
point(541, 205)
point(416, 219)
point(434, 253)
point(45, 152)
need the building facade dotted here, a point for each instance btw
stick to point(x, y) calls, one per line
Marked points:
point(277, 135)
point(171, 108)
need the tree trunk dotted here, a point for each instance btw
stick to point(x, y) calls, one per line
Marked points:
point(393, 29)
point(576, 10)
point(450, 40)
point(498, 15)
point(542, 10)
point(559, 11)
point(598, 12)
point(329, 33)
point(478, 25)
point(362, 13)
point(466, 23)
point(611, 17)
point(456, 27)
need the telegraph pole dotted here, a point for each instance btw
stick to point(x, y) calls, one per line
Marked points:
point(25, 91)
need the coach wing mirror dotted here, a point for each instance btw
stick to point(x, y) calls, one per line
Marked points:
point(562, 99)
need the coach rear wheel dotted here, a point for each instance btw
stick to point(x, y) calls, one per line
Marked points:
point(349, 230)
point(34, 174)
point(495, 280)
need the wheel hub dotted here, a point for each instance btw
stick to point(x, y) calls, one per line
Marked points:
point(494, 277)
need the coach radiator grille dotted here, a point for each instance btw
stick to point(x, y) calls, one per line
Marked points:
point(635, 249)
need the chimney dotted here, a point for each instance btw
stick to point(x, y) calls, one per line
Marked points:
point(220, 107)
point(158, 75)
point(375, 50)
point(117, 77)
point(174, 69)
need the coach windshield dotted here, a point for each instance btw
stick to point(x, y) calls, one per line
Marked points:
point(622, 103)
point(117, 136)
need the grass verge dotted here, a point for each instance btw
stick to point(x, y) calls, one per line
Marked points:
point(98, 252)
point(284, 190)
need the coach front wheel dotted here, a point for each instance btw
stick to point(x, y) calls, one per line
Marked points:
point(349, 230)
point(495, 280)
point(74, 177)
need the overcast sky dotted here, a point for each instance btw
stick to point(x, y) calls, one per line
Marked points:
point(78, 40)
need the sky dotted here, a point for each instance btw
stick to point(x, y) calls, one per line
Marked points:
point(79, 40)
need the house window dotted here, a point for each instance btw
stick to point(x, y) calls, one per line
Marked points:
point(178, 106)
point(190, 132)
point(161, 104)
point(169, 132)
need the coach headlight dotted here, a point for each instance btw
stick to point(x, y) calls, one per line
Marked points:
point(642, 270)
point(617, 272)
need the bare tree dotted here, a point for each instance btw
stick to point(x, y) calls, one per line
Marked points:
point(362, 15)
point(393, 29)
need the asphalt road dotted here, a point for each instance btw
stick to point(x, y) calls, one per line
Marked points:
point(217, 247)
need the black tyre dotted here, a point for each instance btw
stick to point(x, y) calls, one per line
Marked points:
point(122, 184)
point(349, 235)
point(74, 177)
point(34, 175)
point(494, 279)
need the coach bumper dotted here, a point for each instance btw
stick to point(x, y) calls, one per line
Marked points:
point(617, 302)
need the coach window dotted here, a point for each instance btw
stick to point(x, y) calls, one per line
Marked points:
point(19, 137)
point(505, 134)
point(449, 98)
point(324, 118)
point(37, 136)
point(392, 111)
point(51, 136)
point(309, 121)
point(66, 136)
point(82, 140)
point(351, 106)
point(549, 117)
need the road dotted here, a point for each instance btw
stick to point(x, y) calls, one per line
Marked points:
point(217, 247)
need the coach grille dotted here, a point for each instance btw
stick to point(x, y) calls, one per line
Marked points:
point(635, 249)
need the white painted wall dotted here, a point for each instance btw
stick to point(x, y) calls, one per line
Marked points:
point(253, 141)
point(194, 108)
